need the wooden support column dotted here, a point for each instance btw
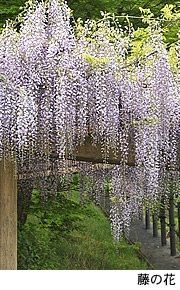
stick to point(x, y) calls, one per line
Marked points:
point(147, 219)
point(8, 216)
point(155, 224)
point(178, 206)
point(163, 224)
point(172, 226)
point(141, 213)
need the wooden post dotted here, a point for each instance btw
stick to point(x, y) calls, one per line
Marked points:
point(155, 225)
point(147, 218)
point(163, 224)
point(178, 206)
point(172, 226)
point(141, 213)
point(8, 216)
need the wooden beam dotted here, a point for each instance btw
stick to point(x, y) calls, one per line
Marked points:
point(8, 216)
point(90, 153)
point(93, 153)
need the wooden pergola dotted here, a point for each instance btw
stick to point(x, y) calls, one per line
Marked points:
point(8, 198)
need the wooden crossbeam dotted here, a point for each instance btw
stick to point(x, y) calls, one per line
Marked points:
point(93, 153)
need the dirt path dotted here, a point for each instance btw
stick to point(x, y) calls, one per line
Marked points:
point(158, 256)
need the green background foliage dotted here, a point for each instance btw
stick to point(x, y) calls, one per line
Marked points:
point(9, 9)
point(92, 9)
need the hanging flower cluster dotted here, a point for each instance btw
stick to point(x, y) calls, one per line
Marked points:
point(61, 82)
point(115, 191)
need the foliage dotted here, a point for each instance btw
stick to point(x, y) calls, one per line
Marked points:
point(65, 235)
point(9, 10)
point(92, 10)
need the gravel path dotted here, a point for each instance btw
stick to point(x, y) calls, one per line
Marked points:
point(158, 256)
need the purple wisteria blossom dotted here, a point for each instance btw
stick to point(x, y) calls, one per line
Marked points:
point(60, 82)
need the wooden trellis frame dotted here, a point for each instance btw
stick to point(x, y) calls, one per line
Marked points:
point(8, 198)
